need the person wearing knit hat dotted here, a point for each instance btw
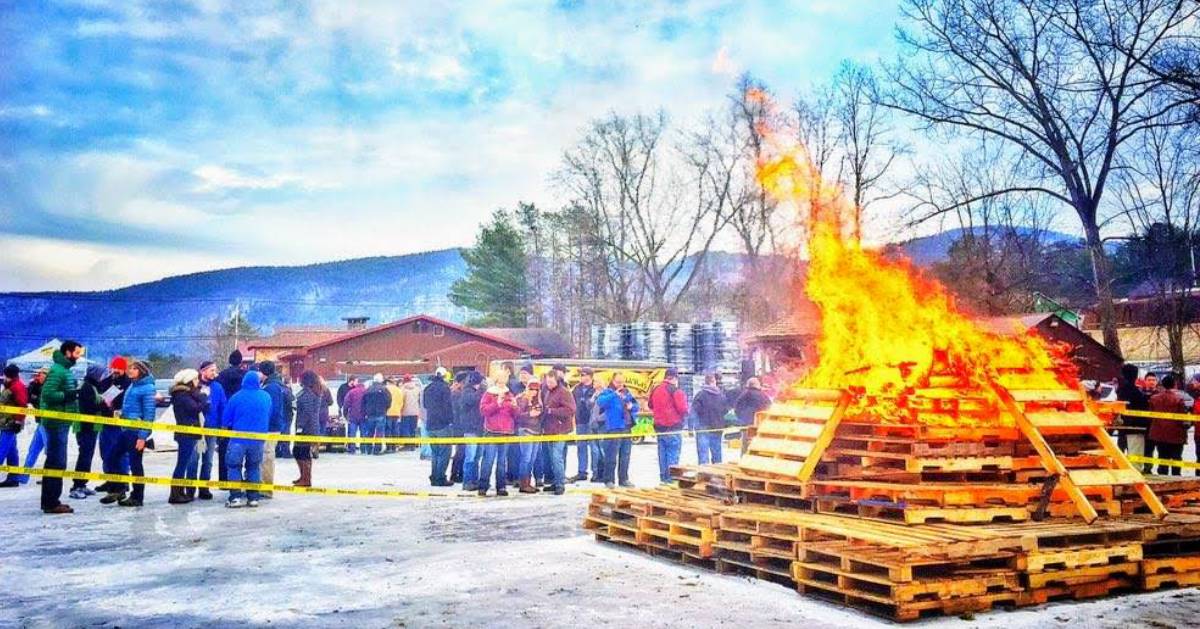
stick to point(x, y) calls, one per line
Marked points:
point(140, 404)
point(118, 363)
point(215, 392)
point(112, 462)
point(189, 404)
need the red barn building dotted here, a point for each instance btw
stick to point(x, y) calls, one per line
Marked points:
point(414, 345)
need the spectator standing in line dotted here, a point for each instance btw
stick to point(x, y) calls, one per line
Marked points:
point(558, 418)
point(90, 403)
point(498, 407)
point(619, 409)
point(38, 443)
point(1168, 435)
point(60, 392)
point(456, 389)
point(376, 401)
point(669, 405)
point(470, 425)
point(1134, 439)
point(312, 412)
point(189, 404)
point(394, 411)
point(249, 410)
point(529, 424)
point(283, 408)
point(749, 402)
point(110, 436)
point(215, 392)
point(14, 394)
point(231, 381)
point(589, 449)
point(140, 403)
point(710, 407)
point(439, 420)
point(352, 411)
point(410, 412)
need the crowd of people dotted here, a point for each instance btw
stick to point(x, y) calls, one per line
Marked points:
point(1159, 438)
point(253, 398)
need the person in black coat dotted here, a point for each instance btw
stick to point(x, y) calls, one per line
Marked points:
point(312, 411)
point(439, 418)
point(189, 403)
point(231, 376)
point(1133, 439)
point(90, 403)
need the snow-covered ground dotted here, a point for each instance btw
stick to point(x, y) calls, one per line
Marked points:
point(301, 560)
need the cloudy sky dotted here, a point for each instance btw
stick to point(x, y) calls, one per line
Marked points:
point(140, 138)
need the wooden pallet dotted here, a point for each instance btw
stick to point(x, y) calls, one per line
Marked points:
point(1080, 576)
point(903, 611)
point(1068, 559)
point(790, 438)
point(883, 564)
point(916, 514)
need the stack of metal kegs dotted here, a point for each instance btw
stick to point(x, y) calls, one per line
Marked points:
point(693, 348)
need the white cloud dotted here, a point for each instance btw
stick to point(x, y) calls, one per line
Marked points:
point(214, 178)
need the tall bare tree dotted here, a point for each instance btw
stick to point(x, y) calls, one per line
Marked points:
point(868, 148)
point(658, 206)
point(1158, 187)
point(1062, 81)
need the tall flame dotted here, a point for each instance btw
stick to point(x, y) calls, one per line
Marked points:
point(885, 327)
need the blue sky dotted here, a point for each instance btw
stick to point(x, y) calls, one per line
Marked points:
point(140, 139)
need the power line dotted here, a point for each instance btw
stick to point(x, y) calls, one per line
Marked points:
point(329, 302)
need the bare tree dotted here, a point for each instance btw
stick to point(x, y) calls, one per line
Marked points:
point(658, 207)
point(864, 135)
point(1158, 187)
point(1061, 81)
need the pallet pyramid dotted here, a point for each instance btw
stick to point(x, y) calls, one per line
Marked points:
point(792, 440)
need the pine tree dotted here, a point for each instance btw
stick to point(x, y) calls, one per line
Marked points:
point(495, 286)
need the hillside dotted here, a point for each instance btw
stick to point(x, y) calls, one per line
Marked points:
point(928, 250)
point(169, 315)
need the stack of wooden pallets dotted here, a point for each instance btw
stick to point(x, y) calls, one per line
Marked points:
point(935, 501)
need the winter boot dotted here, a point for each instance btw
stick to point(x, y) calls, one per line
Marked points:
point(59, 510)
point(527, 487)
point(113, 497)
point(205, 494)
point(190, 492)
point(177, 497)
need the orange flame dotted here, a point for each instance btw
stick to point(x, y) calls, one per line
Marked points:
point(885, 327)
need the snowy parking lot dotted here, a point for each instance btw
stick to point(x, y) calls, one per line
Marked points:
point(303, 560)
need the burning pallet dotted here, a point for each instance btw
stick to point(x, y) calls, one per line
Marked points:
point(915, 511)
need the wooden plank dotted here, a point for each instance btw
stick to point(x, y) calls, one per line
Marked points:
point(793, 410)
point(784, 428)
point(768, 445)
point(1054, 419)
point(831, 426)
point(1091, 478)
point(770, 465)
point(1046, 395)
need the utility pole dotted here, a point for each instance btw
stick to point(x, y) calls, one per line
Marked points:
point(237, 324)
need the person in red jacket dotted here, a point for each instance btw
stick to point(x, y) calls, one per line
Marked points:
point(558, 418)
point(1168, 435)
point(669, 405)
point(499, 409)
point(14, 394)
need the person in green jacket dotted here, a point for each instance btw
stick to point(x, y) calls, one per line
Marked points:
point(59, 393)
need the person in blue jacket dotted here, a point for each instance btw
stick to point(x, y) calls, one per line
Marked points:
point(140, 404)
point(249, 410)
point(212, 419)
point(619, 408)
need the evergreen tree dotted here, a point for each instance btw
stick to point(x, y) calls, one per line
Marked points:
point(495, 286)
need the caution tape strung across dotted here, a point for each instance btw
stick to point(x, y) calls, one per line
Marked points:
point(1179, 417)
point(400, 441)
point(1167, 462)
point(244, 486)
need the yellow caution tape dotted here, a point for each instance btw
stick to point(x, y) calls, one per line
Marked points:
point(1169, 462)
point(244, 486)
point(272, 437)
point(1179, 417)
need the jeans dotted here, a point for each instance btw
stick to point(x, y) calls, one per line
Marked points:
point(245, 464)
point(557, 451)
point(35, 450)
point(86, 440)
point(440, 454)
point(8, 451)
point(353, 430)
point(470, 472)
point(708, 447)
point(222, 453)
point(408, 426)
point(206, 459)
point(393, 430)
point(588, 449)
point(283, 449)
point(668, 454)
point(615, 449)
point(426, 451)
point(494, 455)
point(113, 460)
point(528, 452)
point(56, 459)
point(127, 446)
point(541, 464)
point(184, 458)
point(376, 429)
point(512, 465)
